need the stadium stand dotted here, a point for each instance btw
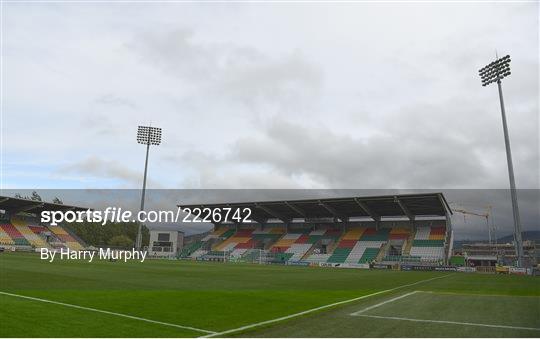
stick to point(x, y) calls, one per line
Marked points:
point(335, 231)
point(22, 231)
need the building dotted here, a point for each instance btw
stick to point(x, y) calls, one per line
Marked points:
point(485, 254)
point(165, 243)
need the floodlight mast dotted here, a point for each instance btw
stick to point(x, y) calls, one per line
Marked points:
point(146, 135)
point(495, 72)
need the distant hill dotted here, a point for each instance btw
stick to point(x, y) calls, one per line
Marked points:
point(527, 235)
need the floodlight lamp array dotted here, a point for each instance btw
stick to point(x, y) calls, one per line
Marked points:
point(148, 135)
point(495, 71)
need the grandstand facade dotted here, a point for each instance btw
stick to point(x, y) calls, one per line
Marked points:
point(410, 229)
point(20, 228)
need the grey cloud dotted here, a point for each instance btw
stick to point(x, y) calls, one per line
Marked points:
point(231, 72)
point(106, 169)
point(260, 96)
point(342, 161)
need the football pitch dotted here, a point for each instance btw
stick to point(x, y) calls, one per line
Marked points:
point(162, 298)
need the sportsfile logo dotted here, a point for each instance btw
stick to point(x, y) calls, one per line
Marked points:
point(110, 214)
point(117, 214)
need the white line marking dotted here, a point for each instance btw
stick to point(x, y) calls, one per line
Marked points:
point(450, 322)
point(384, 302)
point(108, 312)
point(481, 295)
point(220, 334)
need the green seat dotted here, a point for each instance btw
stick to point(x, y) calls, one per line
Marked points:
point(228, 234)
point(21, 242)
point(339, 255)
point(313, 239)
point(189, 249)
point(369, 255)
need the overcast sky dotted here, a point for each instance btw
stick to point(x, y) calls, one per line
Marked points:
point(267, 95)
point(276, 95)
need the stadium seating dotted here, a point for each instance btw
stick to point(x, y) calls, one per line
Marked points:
point(189, 249)
point(269, 234)
point(66, 238)
point(237, 253)
point(354, 233)
point(316, 258)
point(356, 245)
point(230, 243)
point(428, 243)
point(5, 239)
point(363, 250)
point(287, 240)
point(369, 255)
point(57, 230)
point(33, 238)
point(198, 253)
point(228, 233)
point(437, 233)
point(371, 234)
point(298, 251)
point(18, 232)
point(200, 248)
point(236, 239)
point(13, 233)
point(398, 233)
point(324, 234)
point(340, 255)
point(428, 253)
point(217, 233)
point(37, 229)
point(422, 233)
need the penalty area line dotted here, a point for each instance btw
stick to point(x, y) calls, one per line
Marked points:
point(107, 312)
point(449, 322)
point(384, 302)
point(267, 322)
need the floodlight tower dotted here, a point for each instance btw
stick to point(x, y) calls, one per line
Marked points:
point(146, 135)
point(495, 72)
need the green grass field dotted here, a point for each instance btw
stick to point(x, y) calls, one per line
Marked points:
point(184, 299)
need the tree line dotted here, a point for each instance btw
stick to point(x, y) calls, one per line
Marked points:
point(117, 234)
point(36, 197)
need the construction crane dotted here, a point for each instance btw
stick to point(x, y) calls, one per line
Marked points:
point(486, 215)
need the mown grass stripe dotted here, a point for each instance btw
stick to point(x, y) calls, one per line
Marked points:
point(267, 322)
point(107, 312)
